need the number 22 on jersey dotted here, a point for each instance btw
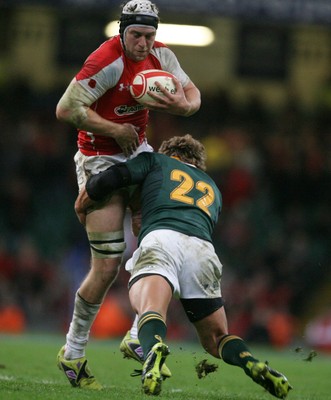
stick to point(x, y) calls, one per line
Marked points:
point(182, 191)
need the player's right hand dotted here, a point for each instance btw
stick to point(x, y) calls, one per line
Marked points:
point(82, 203)
point(127, 138)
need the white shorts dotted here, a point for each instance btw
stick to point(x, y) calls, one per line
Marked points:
point(92, 165)
point(190, 264)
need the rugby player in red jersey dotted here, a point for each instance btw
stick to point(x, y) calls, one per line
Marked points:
point(111, 129)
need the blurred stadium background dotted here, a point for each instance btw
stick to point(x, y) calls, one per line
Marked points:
point(265, 121)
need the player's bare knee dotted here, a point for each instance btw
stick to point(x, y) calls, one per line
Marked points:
point(104, 270)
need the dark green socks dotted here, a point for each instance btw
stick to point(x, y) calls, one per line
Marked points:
point(151, 327)
point(233, 350)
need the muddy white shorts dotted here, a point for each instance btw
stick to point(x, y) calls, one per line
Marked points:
point(189, 264)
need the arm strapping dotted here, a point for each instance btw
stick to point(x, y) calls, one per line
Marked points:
point(101, 185)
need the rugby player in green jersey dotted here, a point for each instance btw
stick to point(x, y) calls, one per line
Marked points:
point(175, 257)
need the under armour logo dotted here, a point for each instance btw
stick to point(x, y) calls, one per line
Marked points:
point(123, 87)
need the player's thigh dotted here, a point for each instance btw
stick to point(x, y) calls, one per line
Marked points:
point(105, 231)
point(109, 216)
point(150, 293)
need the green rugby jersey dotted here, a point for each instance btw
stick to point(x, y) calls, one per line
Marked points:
point(175, 196)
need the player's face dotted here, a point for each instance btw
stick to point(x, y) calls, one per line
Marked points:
point(139, 42)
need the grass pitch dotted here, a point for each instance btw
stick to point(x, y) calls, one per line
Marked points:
point(28, 372)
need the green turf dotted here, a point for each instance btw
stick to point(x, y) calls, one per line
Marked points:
point(28, 372)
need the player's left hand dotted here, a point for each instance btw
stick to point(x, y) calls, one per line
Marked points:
point(173, 103)
point(82, 204)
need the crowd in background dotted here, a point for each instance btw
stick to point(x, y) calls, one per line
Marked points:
point(273, 237)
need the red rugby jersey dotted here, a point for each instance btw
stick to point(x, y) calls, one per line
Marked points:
point(107, 74)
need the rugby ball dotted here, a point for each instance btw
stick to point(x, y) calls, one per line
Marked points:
point(144, 81)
